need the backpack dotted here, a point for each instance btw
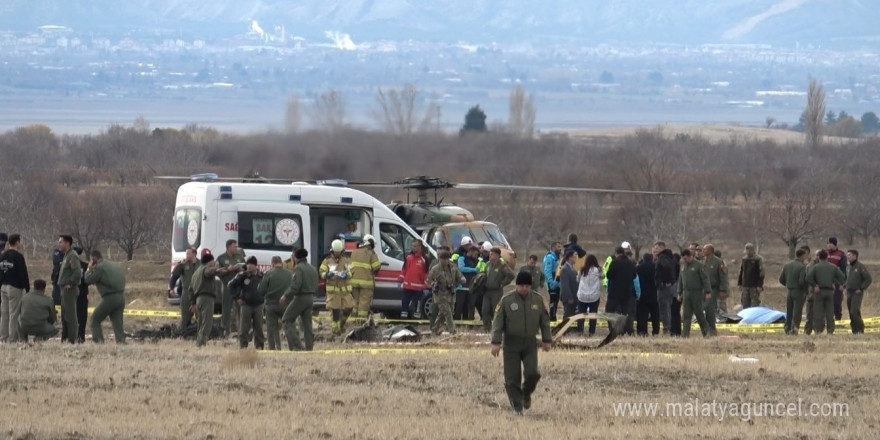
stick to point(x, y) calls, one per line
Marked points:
point(478, 284)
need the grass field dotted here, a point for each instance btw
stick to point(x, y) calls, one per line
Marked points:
point(444, 388)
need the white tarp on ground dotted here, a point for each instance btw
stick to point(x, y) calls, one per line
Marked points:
point(760, 315)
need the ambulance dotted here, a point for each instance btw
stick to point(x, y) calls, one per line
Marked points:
point(269, 219)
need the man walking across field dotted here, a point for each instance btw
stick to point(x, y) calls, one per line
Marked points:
point(794, 277)
point(275, 282)
point(69, 276)
point(365, 265)
point(15, 283)
point(183, 271)
point(693, 289)
point(518, 318)
point(822, 278)
point(204, 295)
point(857, 281)
point(299, 298)
point(229, 264)
point(443, 279)
point(109, 278)
point(716, 270)
point(751, 277)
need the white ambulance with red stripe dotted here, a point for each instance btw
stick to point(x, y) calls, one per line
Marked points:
point(270, 219)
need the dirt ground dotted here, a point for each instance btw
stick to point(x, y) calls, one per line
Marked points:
point(712, 132)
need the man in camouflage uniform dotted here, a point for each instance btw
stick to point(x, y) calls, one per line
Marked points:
point(858, 279)
point(498, 275)
point(275, 282)
point(245, 289)
point(69, 277)
point(443, 279)
point(538, 280)
point(229, 264)
point(822, 278)
point(37, 314)
point(794, 277)
point(717, 273)
point(518, 318)
point(109, 278)
point(204, 295)
point(365, 265)
point(751, 277)
point(299, 299)
point(693, 289)
point(336, 272)
point(808, 306)
point(184, 271)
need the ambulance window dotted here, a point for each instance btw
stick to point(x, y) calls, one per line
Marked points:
point(396, 241)
point(187, 229)
point(269, 231)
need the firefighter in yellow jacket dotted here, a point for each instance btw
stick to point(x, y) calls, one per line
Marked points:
point(336, 272)
point(365, 265)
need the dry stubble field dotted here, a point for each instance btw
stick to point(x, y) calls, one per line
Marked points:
point(449, 389)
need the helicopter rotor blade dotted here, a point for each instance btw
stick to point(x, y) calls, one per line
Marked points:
point(561, 188)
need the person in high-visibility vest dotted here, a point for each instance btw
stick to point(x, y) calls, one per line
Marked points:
point(365, 265)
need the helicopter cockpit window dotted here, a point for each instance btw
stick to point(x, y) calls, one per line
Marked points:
point(478, 234)
point(439, 239)
point(457, 234)
point(396, 241)
point(495, 236)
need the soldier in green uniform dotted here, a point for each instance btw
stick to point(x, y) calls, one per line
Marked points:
point(716, 270)
point(204, 295)
point(794, 277)
point(857, 281)
point(751, 278)
point(69, 277)
point(275, 282)
point(693, 289)
point(443, 278)
point(183, 271)
point(538, 278)
point(245, 289)
point(37, 316)
point(109, 278)
point(808, 306)
point(498, 275)
point(821, 278)
point(518, 318)
point(299, 298)
point(229, 264)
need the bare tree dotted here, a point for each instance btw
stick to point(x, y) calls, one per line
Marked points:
point(292, 118)
point(814, 113)
point(397, 111)
point(328, 113)
point(521, 119)
point(862, 209)
point(138, 217)
point(796, 210)
point(85, 218)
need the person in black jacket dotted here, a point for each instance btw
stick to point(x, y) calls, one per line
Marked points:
point(675, 312)
point(647, 306)
point(244, 289)
point(620, 276)
point(15, 283)
point(665, 277)
point(57, 257)
point(568, 284)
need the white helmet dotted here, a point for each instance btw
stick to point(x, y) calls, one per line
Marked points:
point(369, 240)
point(487, 246)
point(626, 245)
point(466, 240)
point(337, 246)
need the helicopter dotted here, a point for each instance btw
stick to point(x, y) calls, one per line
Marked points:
point(445, 224)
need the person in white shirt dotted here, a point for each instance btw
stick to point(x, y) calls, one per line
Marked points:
point(589, 290)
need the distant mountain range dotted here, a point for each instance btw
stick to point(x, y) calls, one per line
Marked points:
point(827, 23)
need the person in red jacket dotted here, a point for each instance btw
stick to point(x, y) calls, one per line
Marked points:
point(413, 279)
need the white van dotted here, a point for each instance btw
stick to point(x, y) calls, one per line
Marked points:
point(271, 219)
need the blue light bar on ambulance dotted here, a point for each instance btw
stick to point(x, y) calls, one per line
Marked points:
point(225, 196)
point(295, 198)
point(346, 200)
point(204, 177)
point(226, 189)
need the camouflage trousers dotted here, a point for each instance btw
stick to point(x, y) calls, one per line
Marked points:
point(444, 301)
point(750, 297)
